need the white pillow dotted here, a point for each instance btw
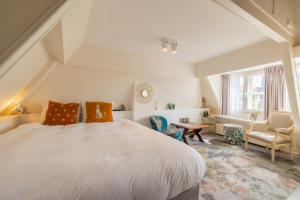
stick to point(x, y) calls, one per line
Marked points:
point(43, 113)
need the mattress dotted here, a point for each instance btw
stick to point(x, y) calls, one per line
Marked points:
point(108, 161)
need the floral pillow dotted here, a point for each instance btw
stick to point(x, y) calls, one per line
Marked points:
point(61, 114)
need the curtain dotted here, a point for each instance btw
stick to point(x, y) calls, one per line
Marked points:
point(225, 84)
point(236, 94)
point(274, 89)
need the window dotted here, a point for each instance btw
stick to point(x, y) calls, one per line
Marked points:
point(247, 93)
point(255, 90)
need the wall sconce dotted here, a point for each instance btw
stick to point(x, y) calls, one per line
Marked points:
point(20, 109)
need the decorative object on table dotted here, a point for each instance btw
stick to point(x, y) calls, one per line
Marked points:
point(184, 120)
point(233, 133)
point(205, 113)
point(171, 106)
point(277, 131)
point(20, 109)
point(122, 107)
point(212, 112)
point(203, 101)
point(144, 93)
point(253, 116)
point(160, 124)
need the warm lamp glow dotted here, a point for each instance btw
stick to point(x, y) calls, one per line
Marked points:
point(164, 49)
point(174, 48)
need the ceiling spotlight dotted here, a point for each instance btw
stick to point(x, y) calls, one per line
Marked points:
point(164, 45)
point(174, 48)
point(168, 45)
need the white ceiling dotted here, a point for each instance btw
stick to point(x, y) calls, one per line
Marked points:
point(202, 28)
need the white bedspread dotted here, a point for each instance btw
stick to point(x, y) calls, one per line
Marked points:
point(99, 161)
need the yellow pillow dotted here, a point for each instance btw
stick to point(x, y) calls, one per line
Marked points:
point(98, 112)
point(61, 114)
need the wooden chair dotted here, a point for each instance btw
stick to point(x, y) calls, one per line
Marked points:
point(277, 131)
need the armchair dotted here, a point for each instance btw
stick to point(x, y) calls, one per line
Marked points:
point(277, 131)
point(160, 124)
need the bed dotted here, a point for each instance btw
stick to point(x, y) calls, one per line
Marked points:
point(108, 161)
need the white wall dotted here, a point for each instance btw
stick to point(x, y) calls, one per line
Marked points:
point(211, 90)
point(108, 75)
point(254, 55)
point(121, 61)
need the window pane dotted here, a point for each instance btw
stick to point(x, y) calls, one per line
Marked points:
point(236, 94)
point(255, 92)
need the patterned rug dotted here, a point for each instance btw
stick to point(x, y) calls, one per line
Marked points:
point(234, 174)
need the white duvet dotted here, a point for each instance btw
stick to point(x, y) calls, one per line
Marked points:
point(99, 161)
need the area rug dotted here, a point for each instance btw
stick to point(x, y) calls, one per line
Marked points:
point(236, 174)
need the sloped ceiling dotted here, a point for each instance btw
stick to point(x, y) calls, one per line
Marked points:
point(54, 41)
point(203, 28)
point(22, 73)
point(19, 19)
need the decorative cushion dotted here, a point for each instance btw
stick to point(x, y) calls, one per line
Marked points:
point(174, 132)
point(159, 123)
point(61, 114)
point(98, 112)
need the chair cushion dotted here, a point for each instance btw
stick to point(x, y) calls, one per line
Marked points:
point(268, 137)
point(279, 120)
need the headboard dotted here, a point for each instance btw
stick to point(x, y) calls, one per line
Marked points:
point(12, 121)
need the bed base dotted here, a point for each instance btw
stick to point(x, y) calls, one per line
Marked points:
point(190, 194)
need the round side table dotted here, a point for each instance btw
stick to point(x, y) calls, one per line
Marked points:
point(233, 133)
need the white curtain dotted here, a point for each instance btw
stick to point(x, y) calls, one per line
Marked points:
point(274, 89)
point(236, 94)
point(225, 85)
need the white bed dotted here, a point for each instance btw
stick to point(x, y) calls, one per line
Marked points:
point(108, 161)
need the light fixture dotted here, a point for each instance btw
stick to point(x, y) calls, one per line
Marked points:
point(20, 109)
point(174, 48)
point(164, 46)
point(169, 45)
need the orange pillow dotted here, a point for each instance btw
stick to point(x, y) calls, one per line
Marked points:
point(61, 114)
point(98, 112)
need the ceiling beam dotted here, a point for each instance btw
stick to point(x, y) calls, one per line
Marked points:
point(257, 17)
